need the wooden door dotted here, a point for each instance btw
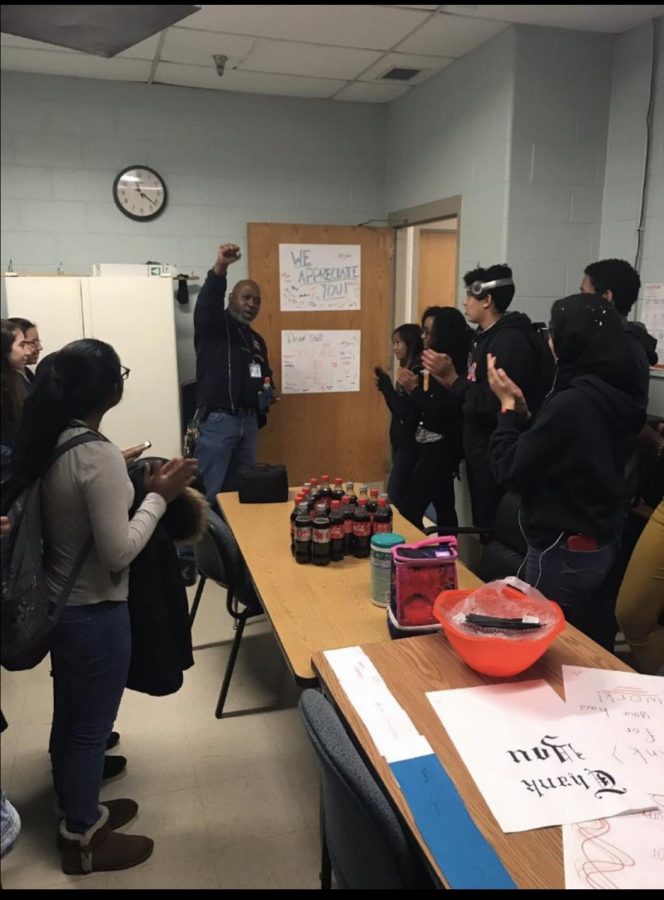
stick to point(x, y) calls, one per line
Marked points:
point(343, 434)
point(437, 269)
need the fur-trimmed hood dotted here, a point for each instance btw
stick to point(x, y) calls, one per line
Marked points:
point(185, 519)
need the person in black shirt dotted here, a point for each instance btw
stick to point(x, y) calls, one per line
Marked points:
point(233, 377)
point(440, 420)
point(512, 339)
point(569, 464)
point(407, 347)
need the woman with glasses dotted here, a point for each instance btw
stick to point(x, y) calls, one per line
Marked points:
point(86, 498)
point(31, 344)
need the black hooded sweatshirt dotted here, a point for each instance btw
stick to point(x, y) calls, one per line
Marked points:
point(569, 465)
point(524, 356)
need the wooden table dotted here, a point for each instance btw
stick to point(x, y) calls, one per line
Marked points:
point(412, 666)
point(310, 607)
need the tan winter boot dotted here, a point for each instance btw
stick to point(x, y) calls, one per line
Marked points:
point(101, 850)
point(119, 813)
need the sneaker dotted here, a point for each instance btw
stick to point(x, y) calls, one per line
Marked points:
point(113, 766)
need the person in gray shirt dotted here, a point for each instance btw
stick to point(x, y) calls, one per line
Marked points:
point(87, 495)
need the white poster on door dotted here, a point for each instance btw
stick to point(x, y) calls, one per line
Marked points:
point(652, 315)
point(318, 277)
point(320, 362)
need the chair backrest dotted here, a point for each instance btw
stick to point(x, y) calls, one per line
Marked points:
point(367, 845)
point(505, 552)
point(218, 558)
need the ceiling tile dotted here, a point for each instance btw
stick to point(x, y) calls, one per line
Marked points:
point(247, 82)
point(308, 59)
point(196, 48)
point(11, 40)
point(612, 18)
point(144, 50)
point(450, 36)
point(79, 65)
point(371, 27)
point(366, 92)
point(427, 64)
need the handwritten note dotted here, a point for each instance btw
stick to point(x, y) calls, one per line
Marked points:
point(320, 362)
point(653, 316)
point(634, 705)
point(622, 852)
point(535, 765)
point(319, 276)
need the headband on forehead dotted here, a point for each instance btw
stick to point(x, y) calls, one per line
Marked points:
point(480, 289)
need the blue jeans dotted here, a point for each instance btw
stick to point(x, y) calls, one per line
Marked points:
point(575, 580)
point(90, 653)
point(225, 444)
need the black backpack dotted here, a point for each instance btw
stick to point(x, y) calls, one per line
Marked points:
point(28, 608)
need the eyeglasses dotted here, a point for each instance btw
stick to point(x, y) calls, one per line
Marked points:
point(124, 372)
point(37, 345)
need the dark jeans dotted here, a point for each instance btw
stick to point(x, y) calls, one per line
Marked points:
point(432, 481)
point(90, 653)
point(403, 463)
point(485, 494)
point(575, 580)
point(225, 444)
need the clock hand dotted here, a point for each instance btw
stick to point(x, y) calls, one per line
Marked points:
point(145, 196)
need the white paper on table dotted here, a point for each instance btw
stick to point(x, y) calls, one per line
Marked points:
point(634, 704)
point(535, 765)
point(389, 725)
point(621, 852)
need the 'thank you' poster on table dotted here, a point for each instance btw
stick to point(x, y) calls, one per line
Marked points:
point(319, 277)
point(320, 362)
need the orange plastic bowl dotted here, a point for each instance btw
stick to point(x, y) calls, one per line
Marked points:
point(492, 654)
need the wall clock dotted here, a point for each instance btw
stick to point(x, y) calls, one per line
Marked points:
point(140, 193)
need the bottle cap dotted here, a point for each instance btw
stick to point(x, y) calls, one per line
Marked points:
point(374, 492)
point(345, 499)
point(336, 504)
point(382, 501)
point(362, 501)
point(338, 481)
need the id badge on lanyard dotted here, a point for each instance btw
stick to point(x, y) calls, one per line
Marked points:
point(254, 370)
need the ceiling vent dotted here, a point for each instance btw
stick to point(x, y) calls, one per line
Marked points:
point(396, 73)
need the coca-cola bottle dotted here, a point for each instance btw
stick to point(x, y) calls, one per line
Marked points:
point(315, 490)
point(325, 488)
point(303, 535)
point(336, 532)
point(364, 492)
point(352, 499)
point(348, 524)
point(293, 517)
point(320, 537)
point(383, 518)
point(338, 491)
point(361, 530)
point(372, 503)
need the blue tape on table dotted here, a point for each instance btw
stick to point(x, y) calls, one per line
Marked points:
point(459, 848)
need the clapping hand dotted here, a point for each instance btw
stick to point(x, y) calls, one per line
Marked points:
point(383, 380)
point(171, 478)
point(407, 379)
point(441, 366)
point(509, 393)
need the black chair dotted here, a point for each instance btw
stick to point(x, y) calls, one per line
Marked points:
point(504, 547)
point(218, 558)
point(363, 842)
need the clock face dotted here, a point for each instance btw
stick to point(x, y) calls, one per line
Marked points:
point(140, 193)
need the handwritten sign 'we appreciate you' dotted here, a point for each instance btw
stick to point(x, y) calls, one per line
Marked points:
point(316, 277)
